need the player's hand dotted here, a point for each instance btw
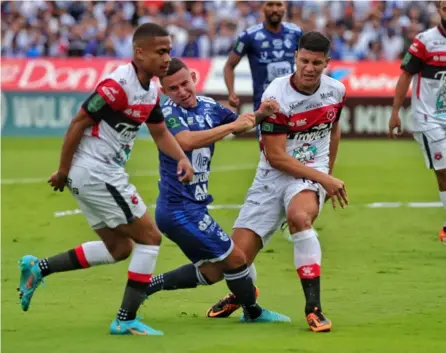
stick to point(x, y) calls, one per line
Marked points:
point(336, 191)
point(185, 171)
point(244, 122)
point(395, 123)
point(269, 107)
point(234, 100)
point(58, 181)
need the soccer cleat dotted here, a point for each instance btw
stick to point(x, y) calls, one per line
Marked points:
point(442, 235)
point(30, 279)
point(266, 316)
point(318, 322)
point(225, 306)
point(133, 327)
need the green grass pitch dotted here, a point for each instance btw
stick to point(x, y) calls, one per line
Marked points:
point(384, 277)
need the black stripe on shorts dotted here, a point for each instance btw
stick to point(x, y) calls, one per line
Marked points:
point(121, 202)
point(428, 151)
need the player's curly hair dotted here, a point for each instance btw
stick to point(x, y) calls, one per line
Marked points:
point(314, 41)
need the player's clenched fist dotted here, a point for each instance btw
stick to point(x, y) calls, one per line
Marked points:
point(185, 171)
point(269, 107)
point(244, 122)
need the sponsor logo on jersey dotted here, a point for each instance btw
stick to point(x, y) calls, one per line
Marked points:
point(259, 36)
point(305, 153)
point(110, 92)
point(327, 95)
point(264, 45)
point(277, 43)
point(126, 132)
point(295, 105)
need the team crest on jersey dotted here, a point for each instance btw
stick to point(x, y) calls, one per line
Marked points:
point(200, 121)
point(190, 120)
point(331, 115)
point(259, 36)
point(305, 153)
point(265, 44)
point(438, 156)
point(288, 43)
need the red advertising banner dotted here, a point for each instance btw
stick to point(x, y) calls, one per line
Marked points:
point(367, 79)
point(362, 79)
point(65, 75)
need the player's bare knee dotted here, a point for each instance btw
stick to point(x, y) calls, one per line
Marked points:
point(235, 259)
point(119, 248)
point(299, 221)
point(213, 272)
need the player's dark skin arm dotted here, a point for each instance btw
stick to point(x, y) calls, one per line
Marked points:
point(71, 141)
point(169, 146)
point(190, 140)
point(335, 137)
point(231, 63)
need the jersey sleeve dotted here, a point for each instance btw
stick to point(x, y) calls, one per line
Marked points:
point(226, 115)
point(156, 115)
point(242, 43)
point(174, 122)
point(415, 57)
point(277, 124)
point(108, 97)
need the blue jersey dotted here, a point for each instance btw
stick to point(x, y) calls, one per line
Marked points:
point(206, 115)
point(270, 55)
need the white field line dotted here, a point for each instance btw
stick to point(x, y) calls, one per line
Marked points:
point(136, 173)
point(236, 207)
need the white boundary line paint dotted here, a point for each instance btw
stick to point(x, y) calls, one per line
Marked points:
point(136, 173)
point(236, 207)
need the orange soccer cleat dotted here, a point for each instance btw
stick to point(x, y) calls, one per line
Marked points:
point(318, 322)
point(225, 306)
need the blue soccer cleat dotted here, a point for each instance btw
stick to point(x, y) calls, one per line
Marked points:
point(133, 327)
point(30, 279)
point(267, 316)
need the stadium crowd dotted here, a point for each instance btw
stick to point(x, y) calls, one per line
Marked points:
point(359, 30)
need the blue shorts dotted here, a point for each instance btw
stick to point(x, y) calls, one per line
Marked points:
point(196, 233)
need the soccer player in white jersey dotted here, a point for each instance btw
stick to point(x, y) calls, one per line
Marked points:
point(299, 147)
point(96, 148)
point(425, 65)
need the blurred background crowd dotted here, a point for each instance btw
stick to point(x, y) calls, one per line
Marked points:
point(359, 30)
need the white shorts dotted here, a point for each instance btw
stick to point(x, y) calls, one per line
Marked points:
point(264, 209)
point(106, 200)
point(433, 145)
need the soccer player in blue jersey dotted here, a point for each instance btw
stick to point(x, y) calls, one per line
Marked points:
point(270, 48)
point(181, 214)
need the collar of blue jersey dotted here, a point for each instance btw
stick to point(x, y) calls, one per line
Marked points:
point(143, 85)
point(298, 90)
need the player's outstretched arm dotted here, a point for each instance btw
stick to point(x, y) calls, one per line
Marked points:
point(71, 141)
point(401, 89)
point(190, 140)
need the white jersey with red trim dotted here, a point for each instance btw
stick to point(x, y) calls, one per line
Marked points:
point(426, 60)
point(119, 105)
point(306, 119)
